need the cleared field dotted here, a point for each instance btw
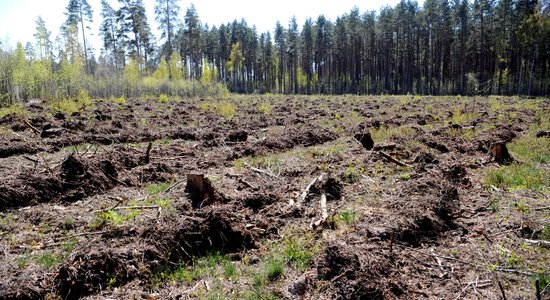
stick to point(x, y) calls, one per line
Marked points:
point(270, 197)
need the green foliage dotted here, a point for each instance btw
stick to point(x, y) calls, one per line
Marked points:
point(162, 71)
point(348, 217)
point(531, 149)
point(545, 233)
point(69, 245)
point(15, 109)
point(119, 100)
point(47, 259)
point(113, 217)
point(163, 98)
point(224, 109)
point(274, 268)
point(384, 133)
point(66, 106)
point(209, 73)
point(352, 174)
point(212, 264)
point(131, 74)
point(298, 251)
point(83, 99)
point(264, 108)
point(155, 189)
point(543, 278)
point(177, 70)
point(518, 176)
point(68, 223)
point(23, 261)
point(405, 176)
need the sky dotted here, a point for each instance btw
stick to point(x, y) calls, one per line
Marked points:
point(18, 17)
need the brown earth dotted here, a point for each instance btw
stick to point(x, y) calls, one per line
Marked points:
point(409, 215)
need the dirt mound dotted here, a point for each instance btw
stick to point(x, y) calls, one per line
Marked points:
point(21, 288)
point(337, 260)
point(331, 187)
point(173, 240)
point(351, 279)
point(237, 136)
point(16, 146)
point(258, 200)
point(82, 178)
point(304, 136)
point(77, 177)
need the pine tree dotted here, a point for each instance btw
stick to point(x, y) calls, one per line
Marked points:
point(79, 12)
point(307, 52)
point(166, 12)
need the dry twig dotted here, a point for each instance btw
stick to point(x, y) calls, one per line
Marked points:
point(393, 160)
point(304, 194)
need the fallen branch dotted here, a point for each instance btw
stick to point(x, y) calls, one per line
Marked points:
point(493, 274)
point(60, 241)
point(440, 256)
point(393, 160)
point(36, 161)
point(148, 152)
point(544, 244)
point(515, 271)
point(263, 172)
point(34, 129)
point(167, 191)
point(129, 207)
point(304, 194)
point(324, 213)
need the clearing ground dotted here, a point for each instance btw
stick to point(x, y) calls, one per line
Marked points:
point(270, 197)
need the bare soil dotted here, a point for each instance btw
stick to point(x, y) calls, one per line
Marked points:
point(409, 213)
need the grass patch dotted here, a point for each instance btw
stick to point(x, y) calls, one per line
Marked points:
point(545, 233)
point(264, 108)
point(213, 264)
point(383, 133)
point(15, 109)
point(531, 149)
point(518, 176)
point(47, 259)
point(113, 217)
point(298, 251)
point(348, 217)
point(274, 268)
point(352, 174)
point(155, 189)
point(163, 98)
point(67, 106)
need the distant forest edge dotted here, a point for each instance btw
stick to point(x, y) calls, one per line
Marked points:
point(442, 48)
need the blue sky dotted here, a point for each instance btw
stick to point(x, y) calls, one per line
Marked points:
point(17, 17)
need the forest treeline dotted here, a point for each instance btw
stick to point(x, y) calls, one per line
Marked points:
point(439, 48)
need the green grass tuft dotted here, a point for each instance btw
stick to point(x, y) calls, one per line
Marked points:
point(518, 176)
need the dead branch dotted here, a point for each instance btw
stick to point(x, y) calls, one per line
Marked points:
point(72, 237)
point(324, 213)
point(544, 244)
point(34, 129)
point(170, 188)
point(263, 172)
point(36, 161)
point(129, 207)
point(148, 152)
point(440, 256)
point(393, 160)
point(495, 276)
point(515, 271)
point(304, 194)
